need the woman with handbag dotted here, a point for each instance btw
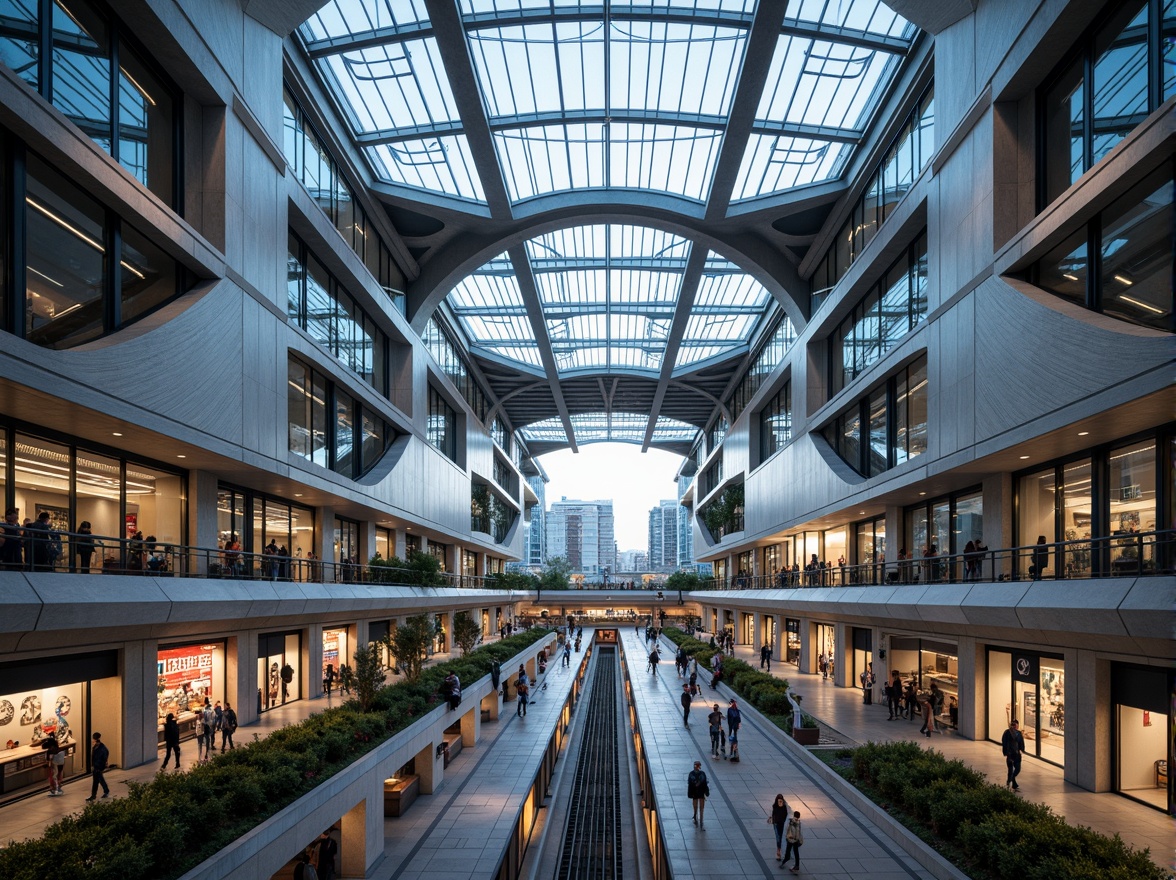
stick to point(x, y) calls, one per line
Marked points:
point(697, 789)
point(778, 819)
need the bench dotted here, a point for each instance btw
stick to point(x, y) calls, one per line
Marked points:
point(399, 795)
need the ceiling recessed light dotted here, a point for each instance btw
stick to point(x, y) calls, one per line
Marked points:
point(116, 434)
point(922, 493)
point(297, 494)
point(861, 513)
point(181, 456)
point(1023, 457)
point(1083, 433)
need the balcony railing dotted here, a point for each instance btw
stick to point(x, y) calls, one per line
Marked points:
point(1136, 554)
point(72, 552)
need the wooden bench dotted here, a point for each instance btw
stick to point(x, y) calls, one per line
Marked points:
point(452, 746)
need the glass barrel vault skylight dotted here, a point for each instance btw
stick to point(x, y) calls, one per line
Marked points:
point(608, 95)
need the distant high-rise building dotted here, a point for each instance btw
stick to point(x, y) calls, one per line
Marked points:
point(685, 532)
point(582, 532)
point(632, 561)
point(663, 536)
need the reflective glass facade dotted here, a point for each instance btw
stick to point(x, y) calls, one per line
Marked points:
point(886, 427)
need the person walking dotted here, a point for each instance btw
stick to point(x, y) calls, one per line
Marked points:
point(778, 819)
point(766, 656)
point(894, 695)
point(734, 719)
point(524, 690)
point(171, 739)
point(794, 838)
point(567, 654)
point(685, 699)
point(925, 709)
point(83, 545)
point(654, 659)
point(697, 789)
point(1012, 743)
point(718, 738)
point(99, 758)
point(228, 728)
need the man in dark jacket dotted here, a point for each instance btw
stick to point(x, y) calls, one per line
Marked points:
point(1012, 743)
point(685, 700)
point(327, 850)
point(99, 757)
point(12, 548)
point(734, 719)
point(171, 739)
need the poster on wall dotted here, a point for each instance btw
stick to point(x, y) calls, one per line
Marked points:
point(330, 649)
point(132, 524)
point(27, 718)
point(184, 677)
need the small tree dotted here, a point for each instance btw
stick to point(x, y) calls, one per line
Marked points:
point(556, 574)
point(369, 674)
point(518, 581)
point(683, 580)
point(466, 631)
point(409, 643)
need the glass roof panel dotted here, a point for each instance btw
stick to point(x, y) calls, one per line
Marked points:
point(860, 15)
point(728, 306)
point(392, 86)
point(579, 100)
point(625, 427)
point(342, 18)
point(437, 164)
point(773, 164)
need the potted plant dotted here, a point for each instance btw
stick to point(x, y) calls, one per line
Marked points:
point(809, 732)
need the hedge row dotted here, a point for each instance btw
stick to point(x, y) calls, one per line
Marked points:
point(167, 826)
point(994, 830)
point(766, 692)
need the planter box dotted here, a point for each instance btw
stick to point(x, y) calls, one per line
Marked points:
point(807, 736)
point(399, 795)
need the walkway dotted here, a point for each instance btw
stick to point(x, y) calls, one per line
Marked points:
point(842, 710)
point(461, 831)
point(736, 839)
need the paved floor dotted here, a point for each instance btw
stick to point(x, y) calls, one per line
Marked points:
point(461, 831)
point(736, 839)
point(842, 710)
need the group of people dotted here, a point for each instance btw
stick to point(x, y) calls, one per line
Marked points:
point(903, 701)
point(32, 545)
point(785, 821)
point(210, 719)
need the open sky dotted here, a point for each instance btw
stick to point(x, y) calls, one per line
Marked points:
point(635, 481)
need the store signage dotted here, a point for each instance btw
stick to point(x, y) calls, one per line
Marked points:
point(1025, 668)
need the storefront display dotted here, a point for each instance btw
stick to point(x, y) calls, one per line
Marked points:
point(922, 662)
point(826, 648)
point(26, 719)
point(279, 669)
point(863, 660)
point(186, 675)
point(792, 641)
point(1030, 687)
point(335, 650)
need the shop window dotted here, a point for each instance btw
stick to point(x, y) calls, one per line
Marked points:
point(279, 669)
point(187, 674)
point(101, 82)
point(792, 641)
point(861, 434)
point(922, 662)
point(347, 549)
point(937, 534)
point(1106, 88)
point(385, 546)
point(335, 653)
point(1140, 697)
point(1032, 689)
point(354, 438)
point(1132, 495)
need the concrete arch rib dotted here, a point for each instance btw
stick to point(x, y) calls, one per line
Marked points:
point(686, 386)
point(469, 252)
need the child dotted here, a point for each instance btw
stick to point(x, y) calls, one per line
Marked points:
point(795, 837)
point(733, 741)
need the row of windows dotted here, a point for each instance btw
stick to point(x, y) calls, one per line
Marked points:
point(500, 435)
point(331, 428)
point(776, 423)
point(716, 433)
point(769, 357)
point(1120, 71)
point(75, 54)
point(318, 171)
point(317, 303)
point(1122, 262)
point(78, 271)
point(441, 430)
point(711, 477)
point(886, 427)
point(911, 150)
point(449, 357)
point(893, 308)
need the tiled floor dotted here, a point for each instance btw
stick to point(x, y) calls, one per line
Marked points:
point(736, 839)
point(842, 710)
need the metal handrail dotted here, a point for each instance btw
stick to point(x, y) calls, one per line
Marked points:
point(62, 551)
point(1133, 554)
